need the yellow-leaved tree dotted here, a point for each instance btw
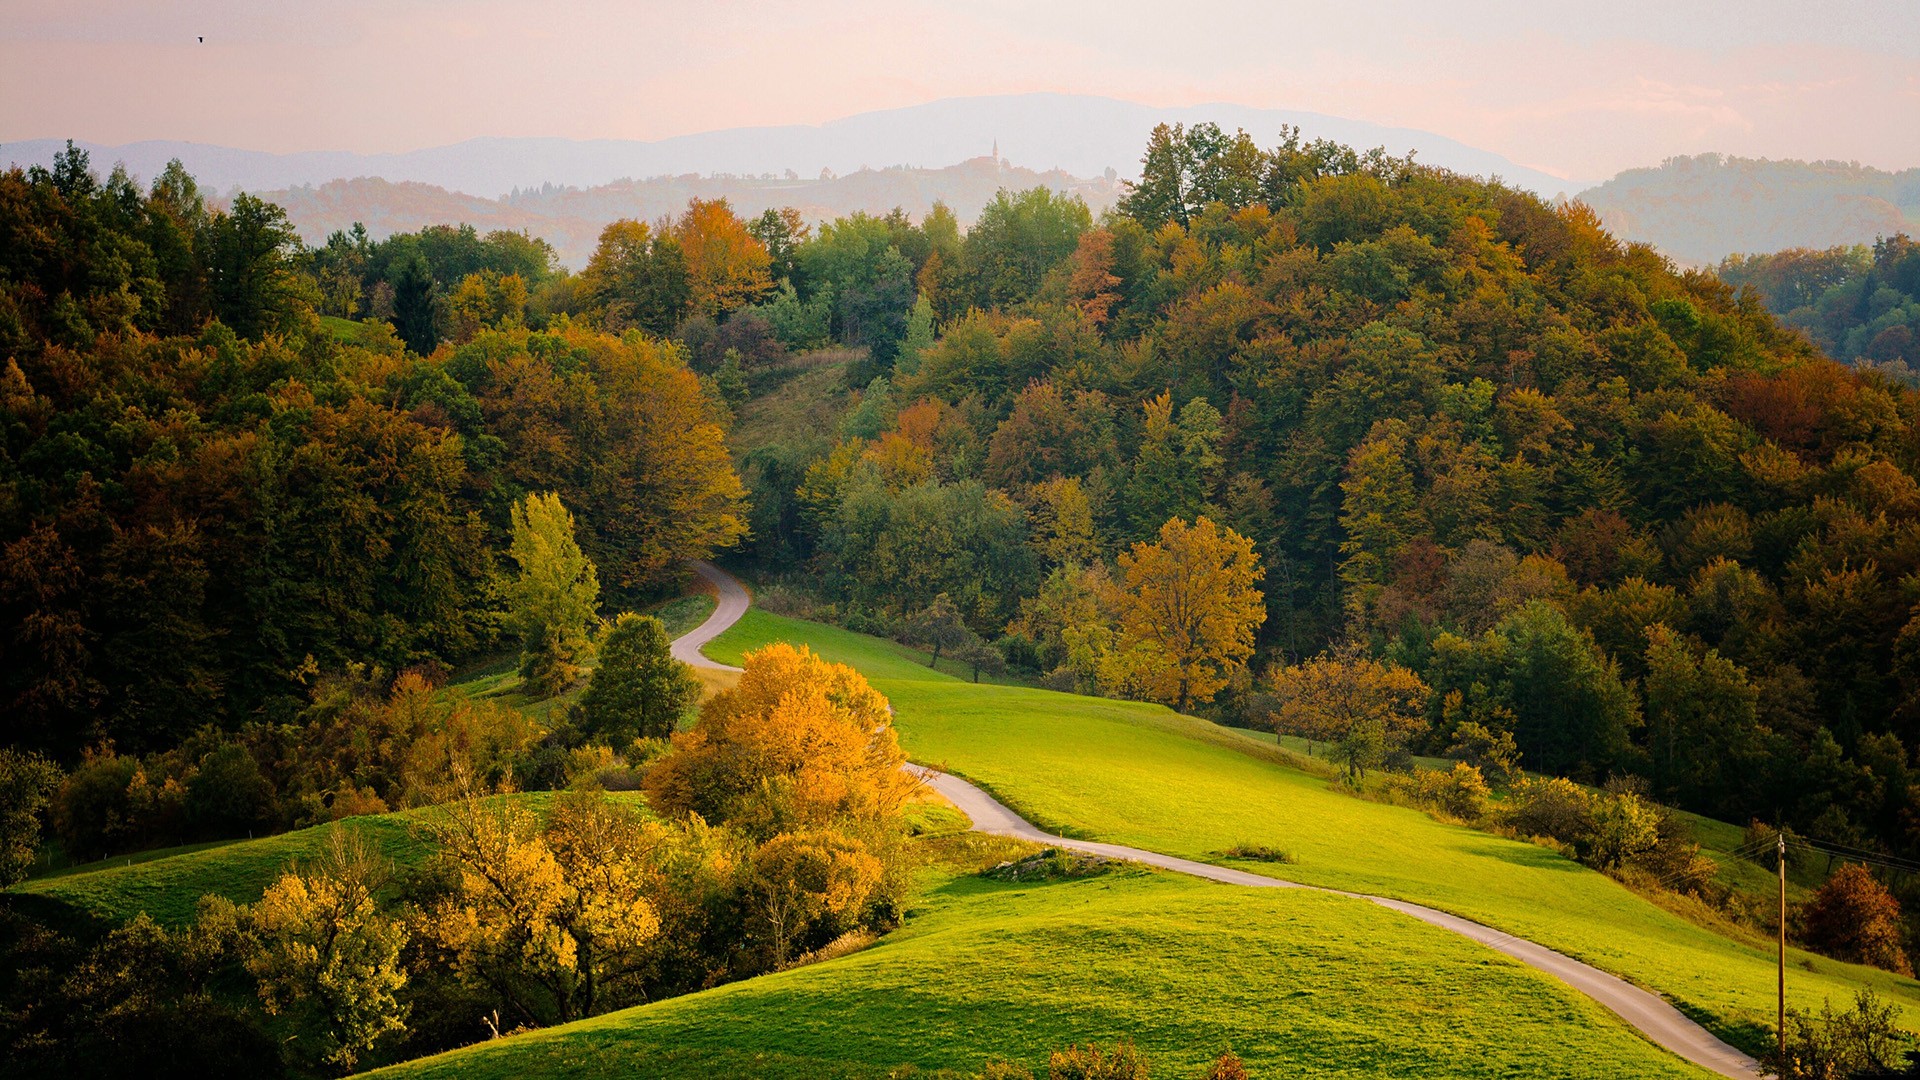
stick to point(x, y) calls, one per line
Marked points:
point(542, 918)
point(1189, 604)
point(327, 959)
point(801, 758)
point(800, 743)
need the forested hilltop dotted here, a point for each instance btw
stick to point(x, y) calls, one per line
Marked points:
point(1295, 437)
point(1580, 494)
point(1704, 208)
point(1858, 303)
point(207, 502)
point(1609, 509)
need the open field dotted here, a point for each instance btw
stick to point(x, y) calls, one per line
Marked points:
point(1141, 775)
point(1183, 967)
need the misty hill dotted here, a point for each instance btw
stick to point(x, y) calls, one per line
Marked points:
point(571, 218)
point(1079, 134)
point(1701, 209)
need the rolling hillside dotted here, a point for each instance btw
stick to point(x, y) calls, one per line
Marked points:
point(1141, 775)
point(983, 968)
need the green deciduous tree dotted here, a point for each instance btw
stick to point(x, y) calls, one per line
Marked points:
point(27, 784)
point(554, 597)
point(250, 266)
point(638, 691)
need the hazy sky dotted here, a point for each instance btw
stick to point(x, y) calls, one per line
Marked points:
point(1575, 89)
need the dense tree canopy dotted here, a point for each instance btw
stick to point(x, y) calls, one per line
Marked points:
point(1859, 304)
point(207, 500)
point(1608, 510)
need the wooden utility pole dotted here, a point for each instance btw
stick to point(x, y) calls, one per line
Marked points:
point(1780, 1031)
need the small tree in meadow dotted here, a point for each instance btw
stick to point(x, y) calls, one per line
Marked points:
point(639, 691)
point(1854, 917)
point(938, 628)
point(1362, 706)
point(981, 656)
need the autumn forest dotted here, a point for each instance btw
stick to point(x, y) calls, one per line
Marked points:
point(1321, 443)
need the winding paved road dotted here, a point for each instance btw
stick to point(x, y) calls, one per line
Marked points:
point(1650, 1014)
point(730, 602)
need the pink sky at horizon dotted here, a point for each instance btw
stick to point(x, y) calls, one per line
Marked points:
point(1573, 91)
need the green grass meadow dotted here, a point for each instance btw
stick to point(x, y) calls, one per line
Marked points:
point(1142, 775)
point(1184, 968)
point(1296, 982)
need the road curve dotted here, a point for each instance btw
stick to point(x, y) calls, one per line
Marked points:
point(1648, 1013)
point(730, 602)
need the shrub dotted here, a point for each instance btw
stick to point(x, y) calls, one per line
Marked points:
point(1258, 853)
point(1554, 807)
point(1227, 1066)
point(1626, 828)
point(1005, 1070)
point(1091, 1063)
point(1494, 753)
point(1863, 1041)
point(1854, 917)
point(1460, 793)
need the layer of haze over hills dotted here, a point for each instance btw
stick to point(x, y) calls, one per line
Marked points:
point(571, 218)
point(1695, 209)
point(1079, 134)
point(1698, 210)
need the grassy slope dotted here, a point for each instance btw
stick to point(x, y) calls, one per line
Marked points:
point(799, 402)
point(1182, 967)
point(1140, 774)
point(169, 888)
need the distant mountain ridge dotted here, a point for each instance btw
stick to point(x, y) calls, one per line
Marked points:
point(571, 218)
point(1078, 134)
point(1701, 209)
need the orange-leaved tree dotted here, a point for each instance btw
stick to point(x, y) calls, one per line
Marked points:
point(800, 743)
point(1189, 604)
point(1363, 707)
point(727, 266)
point(1854, 917)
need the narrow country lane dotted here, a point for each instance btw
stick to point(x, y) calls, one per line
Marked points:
point(1648, 1013)
point(730, 602)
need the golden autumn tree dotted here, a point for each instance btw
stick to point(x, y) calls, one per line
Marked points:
point(541, 918)
point(800, 743)
point(799, 879)
point(1361, 706)
point(326, 957)
point(1188, 603)
point(727, 266)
